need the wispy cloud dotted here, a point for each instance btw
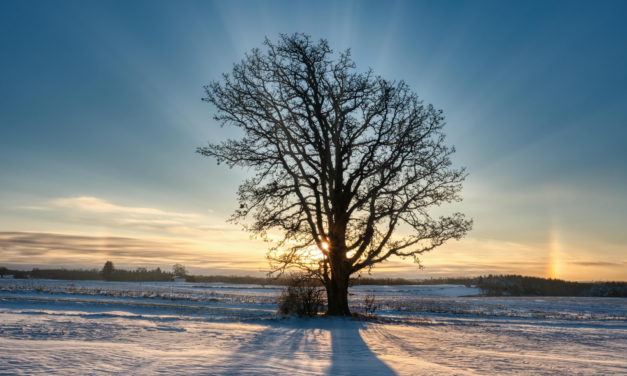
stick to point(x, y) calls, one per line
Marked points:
point(228, 252)
point(95, 204)
point(34, 207)
point(51, 244)
point(70, 250)
point(97, 211)
point(600, 263)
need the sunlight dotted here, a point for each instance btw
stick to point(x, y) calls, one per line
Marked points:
point(555, 264)
point(317, 253)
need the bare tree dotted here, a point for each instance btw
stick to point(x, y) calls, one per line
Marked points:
point(178, 269)
point(342, 160)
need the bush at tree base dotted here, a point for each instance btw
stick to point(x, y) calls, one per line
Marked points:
point(302, 297)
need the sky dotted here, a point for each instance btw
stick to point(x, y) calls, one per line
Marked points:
point(101, 114)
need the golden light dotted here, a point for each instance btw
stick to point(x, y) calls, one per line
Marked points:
point(555, 254)
point(325, 245)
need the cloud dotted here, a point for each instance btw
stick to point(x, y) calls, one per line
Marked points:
point(99, 212)
point(599, 263)
point(51, 244)
point(71, 250)
point(94, 204)
point(225, 253)
point(463, 267)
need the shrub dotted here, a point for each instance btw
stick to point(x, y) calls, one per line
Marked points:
point(369, 306)
point(302, 297)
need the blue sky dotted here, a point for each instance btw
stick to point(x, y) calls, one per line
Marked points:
point(100, 115)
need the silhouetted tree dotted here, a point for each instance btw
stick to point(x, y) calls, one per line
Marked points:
point(108, 270)
point(342, 160)
point(178, 269)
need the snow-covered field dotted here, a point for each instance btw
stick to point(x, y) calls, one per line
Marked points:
point(93, 327)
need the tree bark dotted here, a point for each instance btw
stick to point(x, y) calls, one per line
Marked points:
point(337, 293)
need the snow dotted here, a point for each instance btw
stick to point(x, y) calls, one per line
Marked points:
point(93, 327)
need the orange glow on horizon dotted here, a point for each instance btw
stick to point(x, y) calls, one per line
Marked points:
point(555, 262)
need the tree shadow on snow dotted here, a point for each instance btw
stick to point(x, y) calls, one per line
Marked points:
point(306, 346)
point(351, 355)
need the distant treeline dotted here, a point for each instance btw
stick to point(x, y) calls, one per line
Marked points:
point(15, 273)
point(70, 274)
point(286, 280)
point(142, 274)
point(119, 275)
point(139, 275)
point(490, 285)
point(517, 285)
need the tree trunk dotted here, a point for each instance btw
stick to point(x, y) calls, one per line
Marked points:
point(337, 295)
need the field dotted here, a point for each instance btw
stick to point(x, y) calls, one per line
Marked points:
point(93, 327)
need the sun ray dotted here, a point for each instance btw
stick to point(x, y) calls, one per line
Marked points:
point(555, 262)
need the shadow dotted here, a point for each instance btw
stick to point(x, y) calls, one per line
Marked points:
point(351, 355)
point(316, 346)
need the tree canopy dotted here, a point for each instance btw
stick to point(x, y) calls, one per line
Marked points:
point(342, 160)
point(179, 269)
point(107, 270)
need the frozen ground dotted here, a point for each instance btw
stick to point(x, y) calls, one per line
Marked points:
point(88, 327)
